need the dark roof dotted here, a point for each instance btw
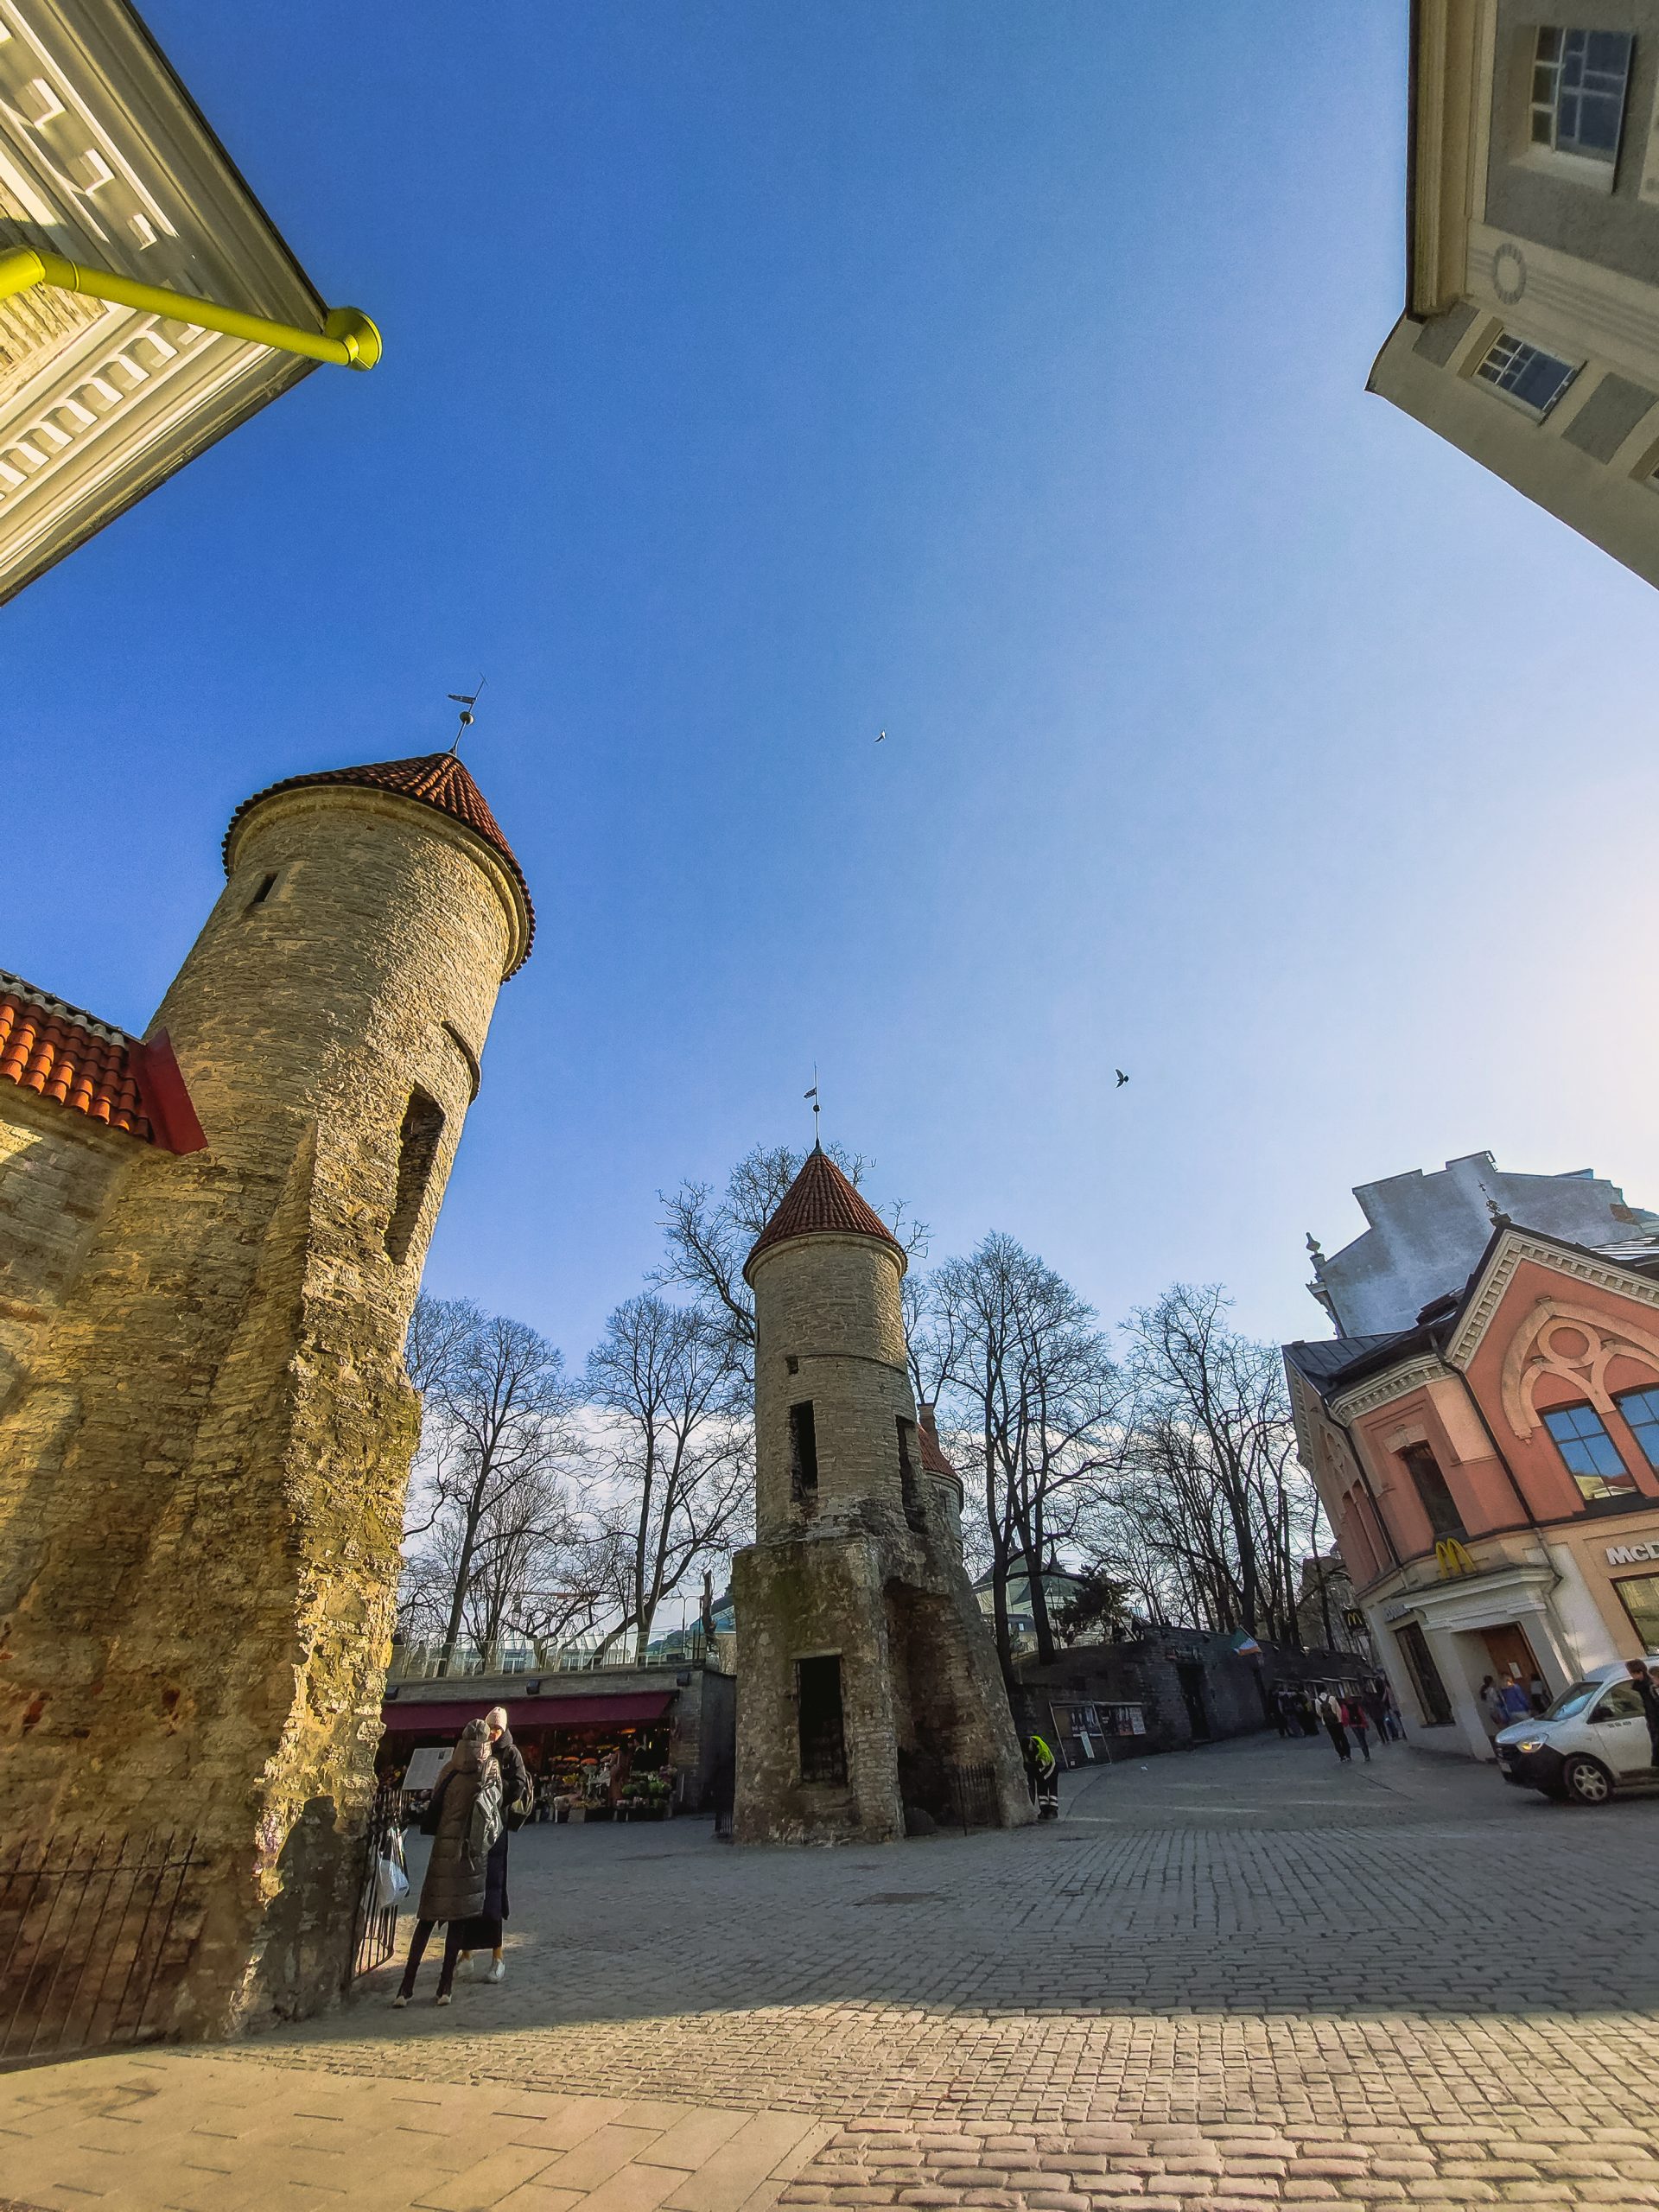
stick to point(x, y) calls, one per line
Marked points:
point(820, 1202)
point(1326, 1358)
point(436, 780)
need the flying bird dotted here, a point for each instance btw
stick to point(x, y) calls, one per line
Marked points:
point(1122, 1077)
point(882, 739)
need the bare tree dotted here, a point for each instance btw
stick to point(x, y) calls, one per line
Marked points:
point(676, 1424)
point(498, 1444)
point(1211, 1508)
point(1030, 1379)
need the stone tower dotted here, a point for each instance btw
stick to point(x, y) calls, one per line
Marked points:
point(866, 1672)
point(205, 1444)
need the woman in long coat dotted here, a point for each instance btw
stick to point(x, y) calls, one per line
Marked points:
point(466, 1800)
point(483, 1932)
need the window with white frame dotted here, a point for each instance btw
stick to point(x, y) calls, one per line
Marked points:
point(1579, 83)
point(1535, 379)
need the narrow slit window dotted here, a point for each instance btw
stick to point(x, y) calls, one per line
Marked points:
point(909, 1479)
point(417, 1149)
point(1433, 1491)
point(824, 1740)
point(803, 1454)
point(267, 884)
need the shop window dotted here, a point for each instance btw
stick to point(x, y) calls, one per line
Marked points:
point(909, 1479)
point(417, 1149)
point(1641, 1412)
point(1433, 1491)
point(1435, 1704)
point(803, 1454)
point(823, 1743)
point(1591, 1456)
point(1639, 1595)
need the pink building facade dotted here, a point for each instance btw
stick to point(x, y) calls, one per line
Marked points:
point(1491, 1472)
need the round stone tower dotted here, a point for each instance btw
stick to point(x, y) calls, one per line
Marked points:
point(869, 1685)
point(218, 1440)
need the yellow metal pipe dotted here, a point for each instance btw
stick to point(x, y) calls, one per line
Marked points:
point(348, 339)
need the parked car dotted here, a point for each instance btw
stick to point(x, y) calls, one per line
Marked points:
point(1592, 1742)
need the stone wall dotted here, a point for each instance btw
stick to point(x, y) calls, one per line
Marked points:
point(208, 1453)
point(858, 1571)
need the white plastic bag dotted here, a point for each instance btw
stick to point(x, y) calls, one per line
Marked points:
point(390, 1882)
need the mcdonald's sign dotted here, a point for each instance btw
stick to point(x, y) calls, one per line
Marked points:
point(1452, 1559)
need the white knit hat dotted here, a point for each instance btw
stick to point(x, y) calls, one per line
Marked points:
point(496, 1717)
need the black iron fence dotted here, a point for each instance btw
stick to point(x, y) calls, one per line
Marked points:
point(91, 1939)
point(376, 1921)
point(973, 1790)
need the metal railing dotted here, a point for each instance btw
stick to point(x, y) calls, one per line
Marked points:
point(87, 1946)
point(377, 1923)
point(973, 1789)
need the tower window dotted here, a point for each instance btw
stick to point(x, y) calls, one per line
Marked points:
point(267, 884)
point(417, 1149)
point(909, 1482)
point(823, 1742)
point(1579, 82)
point(803, 1454)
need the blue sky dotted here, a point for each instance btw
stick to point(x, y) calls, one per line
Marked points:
point(761, 378)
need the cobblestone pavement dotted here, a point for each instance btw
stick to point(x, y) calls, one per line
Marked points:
point(1244, 1976)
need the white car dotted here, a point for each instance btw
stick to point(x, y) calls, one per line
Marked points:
point(1592, 1741)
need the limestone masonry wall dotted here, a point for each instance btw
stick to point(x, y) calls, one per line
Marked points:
point(208, 1450)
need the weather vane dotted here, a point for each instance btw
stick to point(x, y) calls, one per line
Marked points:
point(466, 701)
point(813, 1095)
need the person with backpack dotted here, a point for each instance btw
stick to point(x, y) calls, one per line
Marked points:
point(464, 1819)
point(1331, 1713)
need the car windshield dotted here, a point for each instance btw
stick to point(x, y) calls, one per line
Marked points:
point(1572, 1700)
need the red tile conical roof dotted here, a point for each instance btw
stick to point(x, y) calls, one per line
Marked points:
point(439, 780)
point(820, 1202)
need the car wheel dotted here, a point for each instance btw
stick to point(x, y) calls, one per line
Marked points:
point(1587, 1781)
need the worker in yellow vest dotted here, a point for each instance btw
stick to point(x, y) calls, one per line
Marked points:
point(1043, 1775)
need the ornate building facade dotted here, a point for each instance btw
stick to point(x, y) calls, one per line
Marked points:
point(1490, 1467)
point(210, 1245)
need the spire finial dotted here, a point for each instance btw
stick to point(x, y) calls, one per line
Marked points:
point(813, 1095)
point(466, 700)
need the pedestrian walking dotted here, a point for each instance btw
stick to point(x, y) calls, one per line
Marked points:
point(1281, 1712)
point(1307, 1715)
point(1043, 1775)
point(483, 1932)
point(463, 1821)
point(1377, 1709)
point(1492, 1705)
point(1358, 1722)
point(1396, 1719)
point(1331, 1713)
point(1512, 1697)
point(1648, 1690)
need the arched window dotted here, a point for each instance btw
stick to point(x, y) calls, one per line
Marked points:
point(417, 1149)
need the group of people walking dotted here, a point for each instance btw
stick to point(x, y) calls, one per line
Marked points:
point(482, 1793)
point(1349, 1718)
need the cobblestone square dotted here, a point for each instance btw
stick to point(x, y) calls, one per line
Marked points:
point(1243, 1977)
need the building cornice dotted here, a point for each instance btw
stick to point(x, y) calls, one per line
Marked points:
point(1383, 1389)
point(1517, 1245)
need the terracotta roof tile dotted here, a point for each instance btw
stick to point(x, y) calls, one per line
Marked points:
point(933, 1456)
point(820, 1202)
point(62, 1053)
point(438, 779)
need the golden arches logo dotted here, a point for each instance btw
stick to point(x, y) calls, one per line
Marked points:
point(1452, 1559)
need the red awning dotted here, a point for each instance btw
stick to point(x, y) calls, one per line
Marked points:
point(624, 1708)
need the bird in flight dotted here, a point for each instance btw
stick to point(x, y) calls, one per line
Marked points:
point(1122, 1077)
point(882, 739)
